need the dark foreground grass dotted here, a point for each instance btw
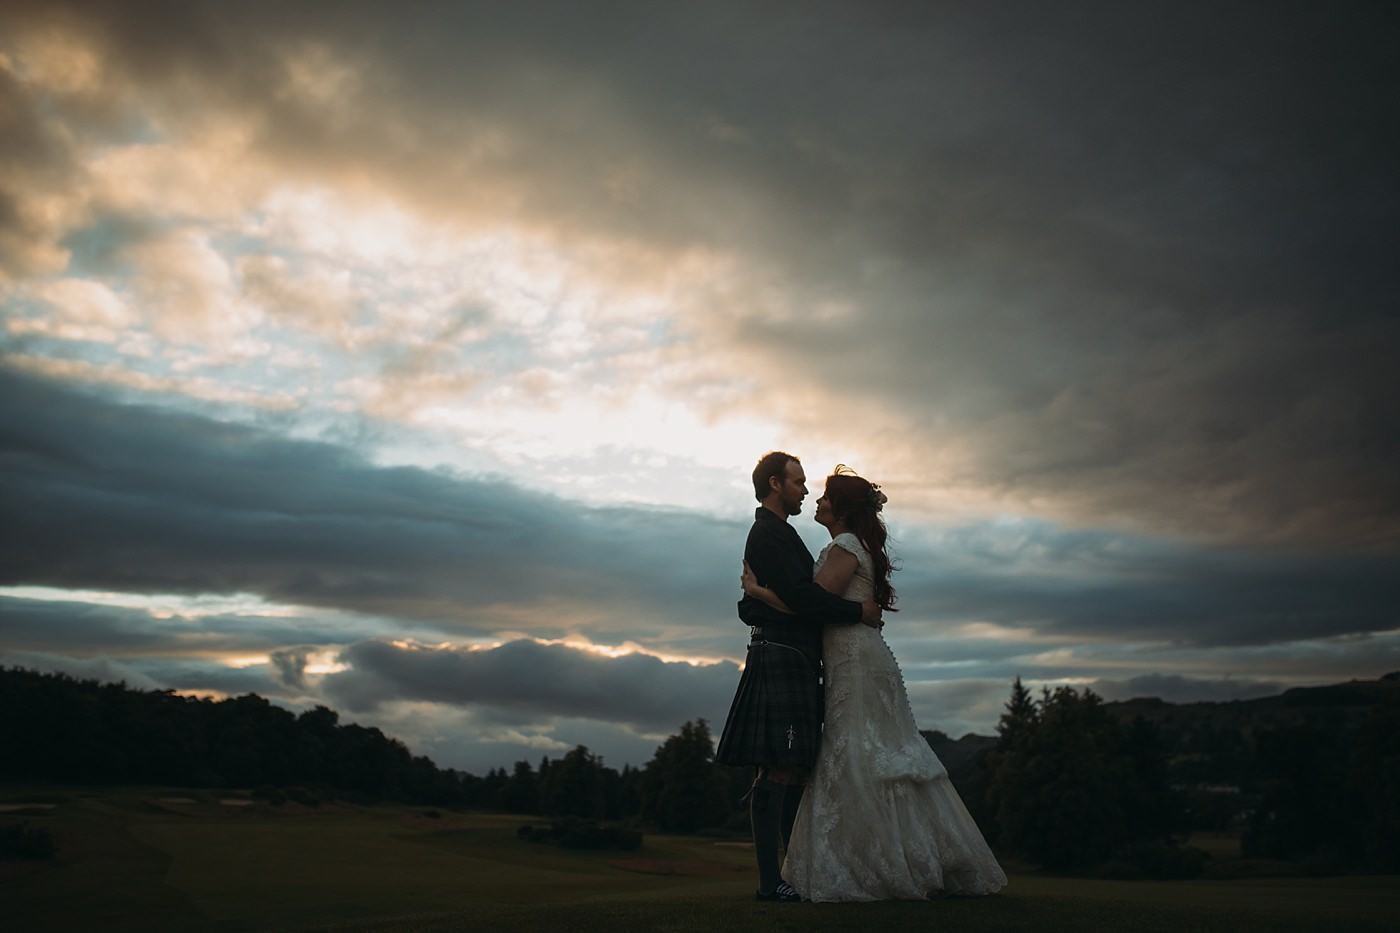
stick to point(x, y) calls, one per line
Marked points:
point(144, 860)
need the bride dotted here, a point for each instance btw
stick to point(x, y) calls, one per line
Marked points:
point(880, 820)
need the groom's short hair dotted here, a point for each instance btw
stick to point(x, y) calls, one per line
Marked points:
point(773, 463)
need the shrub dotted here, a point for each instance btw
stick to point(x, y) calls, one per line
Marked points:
point(304, 796)
point(18, 840)
point(1166, 861)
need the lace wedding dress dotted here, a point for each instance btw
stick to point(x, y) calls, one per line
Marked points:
point(880, 820)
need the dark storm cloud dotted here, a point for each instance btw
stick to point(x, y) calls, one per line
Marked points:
point(1149, 284)
point(187, 675)
point(1197, 597)
point(1105, 586)
point(93, 629)
point(290, 665)
point(109, 496)
point(100, 495)
point(194, 676)
point(1130, 261)
point(528, 679)
point(87, 628)
point(99, 668)
point(35, 625)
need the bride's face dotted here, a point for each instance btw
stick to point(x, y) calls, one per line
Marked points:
point(823, 516)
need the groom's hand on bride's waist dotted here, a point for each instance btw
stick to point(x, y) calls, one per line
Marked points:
point(870, 614)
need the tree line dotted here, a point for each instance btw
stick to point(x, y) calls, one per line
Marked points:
point(55, 728)
point(1311, 777)
point(1070, 782)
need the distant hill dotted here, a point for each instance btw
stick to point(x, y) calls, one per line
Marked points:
point(1354, 694)
point(957, 755)
point(1208, 741)
point(1336, 706)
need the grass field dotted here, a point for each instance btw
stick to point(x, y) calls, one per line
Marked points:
point(155, 859)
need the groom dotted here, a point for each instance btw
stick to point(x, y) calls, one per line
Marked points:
point(775, 720)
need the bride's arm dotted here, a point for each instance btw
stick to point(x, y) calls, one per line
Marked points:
point(838, 570)
point(836, 574)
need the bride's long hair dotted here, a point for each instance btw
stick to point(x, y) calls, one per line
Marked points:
point(858, 502)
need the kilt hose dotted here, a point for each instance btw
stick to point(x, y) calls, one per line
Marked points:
point(776, 717)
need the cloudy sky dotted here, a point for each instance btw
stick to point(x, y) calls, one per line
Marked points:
point(413, 359)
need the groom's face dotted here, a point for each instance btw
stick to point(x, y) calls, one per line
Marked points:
point(794, 488)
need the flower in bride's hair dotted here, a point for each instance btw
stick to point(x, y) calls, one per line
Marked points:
point(877, 498)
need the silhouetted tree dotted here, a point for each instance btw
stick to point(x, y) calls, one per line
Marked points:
point(521, 794)
point(1303, 807)
point(1154, 810)
point(82, 731)
point(1374, 785)
point(1021, 713)
point(573, 786)
point(492, 787)
point(1063, 778)
point(682, 789)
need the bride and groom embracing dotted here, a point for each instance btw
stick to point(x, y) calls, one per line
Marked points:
point(861, 805)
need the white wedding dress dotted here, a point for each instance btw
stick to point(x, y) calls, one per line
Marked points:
point(880, 820)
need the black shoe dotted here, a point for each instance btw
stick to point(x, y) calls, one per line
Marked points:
point(783, 893)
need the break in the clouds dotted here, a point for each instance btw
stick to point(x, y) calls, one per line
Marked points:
point(131, 498)
point(330, 327)
point(174, 550)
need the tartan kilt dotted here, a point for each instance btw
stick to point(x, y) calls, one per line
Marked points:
point(776, 716)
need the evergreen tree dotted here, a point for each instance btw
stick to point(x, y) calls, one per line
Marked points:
point(574, 786)
point(1068, 787)
point(682, 789)
point(1374, 787)
point(1021, 713)
point(521, 793)
point(622, 793)
point(1303, 810)
point(1152, 808)
point(493, 786)
point(83, 731)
